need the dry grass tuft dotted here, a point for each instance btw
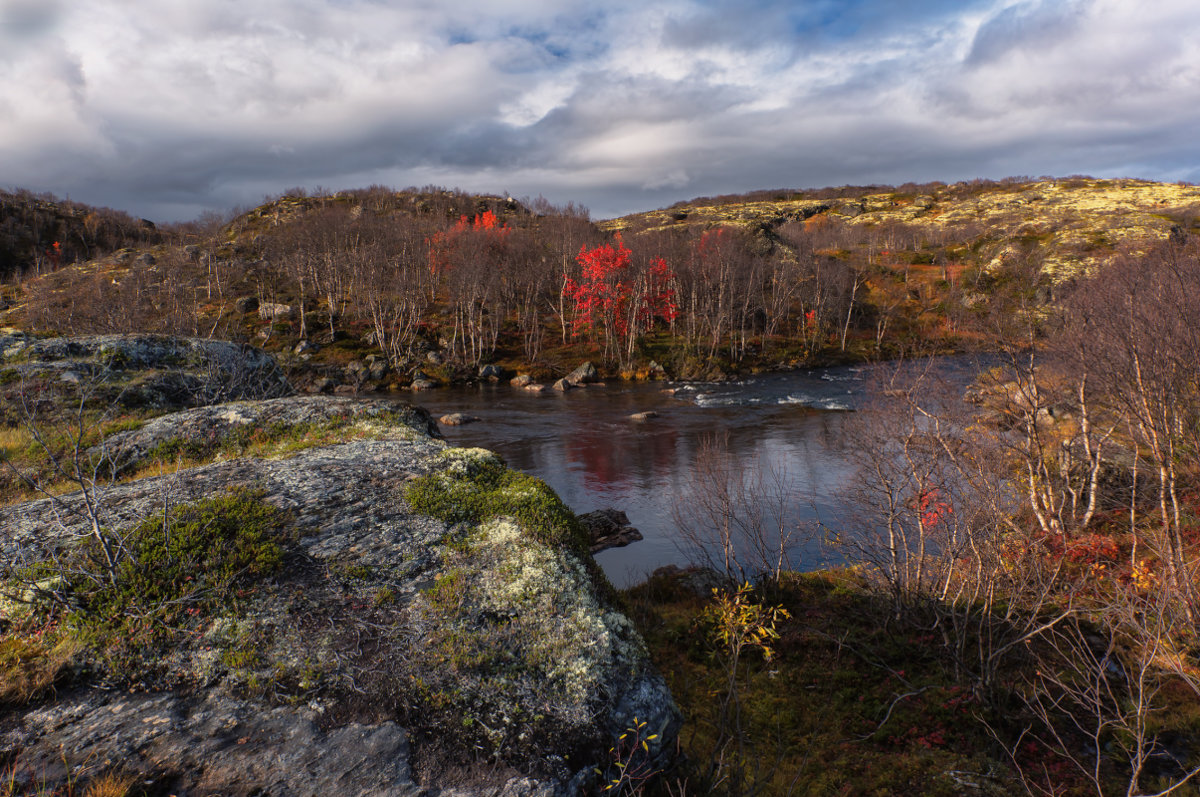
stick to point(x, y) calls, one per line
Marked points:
point(30, 666)
point(110, 785)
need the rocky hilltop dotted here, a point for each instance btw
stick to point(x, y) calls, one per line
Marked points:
point(308, 595)
point(1073, 223)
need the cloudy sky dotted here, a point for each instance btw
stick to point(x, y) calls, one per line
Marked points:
point(165, 108)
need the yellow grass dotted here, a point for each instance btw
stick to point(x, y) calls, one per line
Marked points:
point(13, 441)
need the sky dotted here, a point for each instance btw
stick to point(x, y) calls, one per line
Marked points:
point(168, 108)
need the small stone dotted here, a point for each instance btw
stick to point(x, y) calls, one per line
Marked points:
point(535, 387)
point(642, 417)
point(457, 419)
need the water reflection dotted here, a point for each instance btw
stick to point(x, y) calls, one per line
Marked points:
point(586, 447)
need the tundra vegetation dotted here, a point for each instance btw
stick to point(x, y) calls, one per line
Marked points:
point(435, 283)
point(1018, 611)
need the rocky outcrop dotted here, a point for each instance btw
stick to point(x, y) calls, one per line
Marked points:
point(430, 628)
point(259, 427)
point(145, 370)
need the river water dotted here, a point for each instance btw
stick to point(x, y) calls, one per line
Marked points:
point(584, 444)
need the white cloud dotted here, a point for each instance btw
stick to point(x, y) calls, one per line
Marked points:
point(159, 106)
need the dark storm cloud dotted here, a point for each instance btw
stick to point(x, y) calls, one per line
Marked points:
point(165, 109)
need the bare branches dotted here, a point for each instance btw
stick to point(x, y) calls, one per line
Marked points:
point(735, 516)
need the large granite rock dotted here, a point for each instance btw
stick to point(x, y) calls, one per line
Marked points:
point(392, 652)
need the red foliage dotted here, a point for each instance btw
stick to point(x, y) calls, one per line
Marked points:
point(660, 296)
point(931, 509)
point(443, 246)
point(604, 288)
point(605, 291)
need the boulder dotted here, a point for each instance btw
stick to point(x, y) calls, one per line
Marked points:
point(378, 370)
point(642, 417)
point(422, 384)
point(397, 646)
point(270, 311)
point(583, 374)
point(609, 528)
point(521, 380)
point(563, 385)
point(148, 371)
point(306, 347)
point(535, 387)
point(491, 372)
point(246, 304)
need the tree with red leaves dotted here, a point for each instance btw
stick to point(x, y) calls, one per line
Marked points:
point(612, 299)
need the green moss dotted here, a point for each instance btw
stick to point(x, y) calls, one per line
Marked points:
point(474, 485)
point(175, 448)
point(276, 439)
point(176, 572)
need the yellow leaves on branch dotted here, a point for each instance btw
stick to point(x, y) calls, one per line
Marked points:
point(739, 623)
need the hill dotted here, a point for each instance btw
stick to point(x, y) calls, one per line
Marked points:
point(1071, 223)
point(377, 288)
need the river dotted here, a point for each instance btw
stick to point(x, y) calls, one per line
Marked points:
point(584, 444)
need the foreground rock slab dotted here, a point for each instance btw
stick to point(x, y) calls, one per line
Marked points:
point(392, 653)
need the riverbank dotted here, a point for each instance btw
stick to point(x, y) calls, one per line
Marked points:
point(348, 366)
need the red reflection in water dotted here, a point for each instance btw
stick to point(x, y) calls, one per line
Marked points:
point(612, 459)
